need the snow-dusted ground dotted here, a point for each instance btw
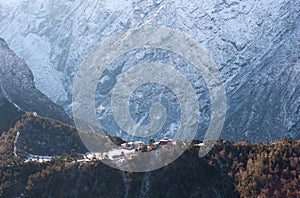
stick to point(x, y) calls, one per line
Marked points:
point(15, 144)
point(39, 158)
point(111, 155)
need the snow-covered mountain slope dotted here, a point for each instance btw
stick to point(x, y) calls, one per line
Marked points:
point(18, 89)
point(256, 44)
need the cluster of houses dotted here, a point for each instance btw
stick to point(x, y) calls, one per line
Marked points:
point(139, 145)
point(126, 148)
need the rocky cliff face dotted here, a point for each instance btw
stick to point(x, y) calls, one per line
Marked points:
point(18, 89)
point(255, 44)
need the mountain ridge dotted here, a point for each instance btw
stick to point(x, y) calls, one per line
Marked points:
point(254, 43)
point(18, 87)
